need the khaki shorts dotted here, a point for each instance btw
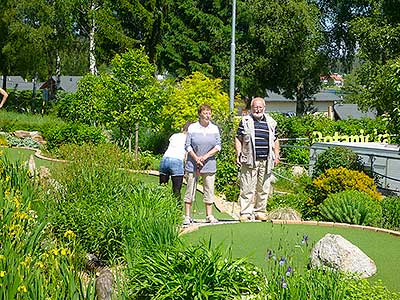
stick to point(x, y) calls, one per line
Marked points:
point(208, 187)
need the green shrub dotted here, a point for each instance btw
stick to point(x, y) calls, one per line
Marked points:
point(12, 121)
point(391, 213)
point(362, 289)
point(336, 157)
point(23, 102)
point(341, 179)
point(72, 133)
point(296, 201)
point(226, 180)
point(296, 153)
point(196, 272)
point(105, 206)
point(352, 207)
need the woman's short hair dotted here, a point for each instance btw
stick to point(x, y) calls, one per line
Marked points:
point(204, 107)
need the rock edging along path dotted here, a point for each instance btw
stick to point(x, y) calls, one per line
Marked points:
point(232, 208)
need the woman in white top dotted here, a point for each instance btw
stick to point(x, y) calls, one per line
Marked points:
point(173, 160)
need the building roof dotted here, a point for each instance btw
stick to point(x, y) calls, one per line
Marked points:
point(67, 83)
point(351, 111)
point(324, 95)
point(17, 83)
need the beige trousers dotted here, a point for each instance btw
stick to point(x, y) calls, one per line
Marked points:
point(255, 187)
point(208, 188)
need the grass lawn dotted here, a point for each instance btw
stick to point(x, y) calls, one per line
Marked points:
point(14, 154)
point(253, 240)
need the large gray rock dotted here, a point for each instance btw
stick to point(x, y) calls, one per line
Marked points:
point(336, 252)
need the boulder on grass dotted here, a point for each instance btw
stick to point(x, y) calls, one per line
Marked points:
point(335, 252)
point(298, 171)
point(284, 213)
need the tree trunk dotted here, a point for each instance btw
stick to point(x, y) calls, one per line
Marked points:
point(92, 44)
point(136, 141)
point(4, 82)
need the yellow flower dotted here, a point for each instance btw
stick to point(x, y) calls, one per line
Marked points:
point(23, 216)
point(15, 229)
point(2, 273)
point(64, 251)
point(22, 289)
point(17, 201)
point(69, 234)
point(39, 265)
point(54, 251)
point(2, 257)
point(27, 261)
point(44, 255)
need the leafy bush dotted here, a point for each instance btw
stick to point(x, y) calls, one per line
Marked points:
point(352, 207)
point(196, 272)
point(72, 133)
point(297, 153)
point(226, 180)
point(14, 141)
point(22, 101)
point(12, 121)
point(105, 206)
point(362, 289)
point(336, 157)
point(341, 179)
point(391, 213)
point(297, 201)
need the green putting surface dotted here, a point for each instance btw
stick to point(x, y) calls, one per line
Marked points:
point(253, 240)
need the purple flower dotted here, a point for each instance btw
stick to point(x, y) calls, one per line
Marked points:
point(282, 261)
point(283, 282)
point(305, 239)
point(269, 254)
point(289, 271)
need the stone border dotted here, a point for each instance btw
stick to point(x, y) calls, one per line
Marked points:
point(38, 153)
point(334, 224)
point(231, 208)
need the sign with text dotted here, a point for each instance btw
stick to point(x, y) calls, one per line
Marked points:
point(360, 138)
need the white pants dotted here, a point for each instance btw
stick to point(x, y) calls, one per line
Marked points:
point(255, 187)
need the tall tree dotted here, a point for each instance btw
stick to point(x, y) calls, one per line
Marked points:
point(196, 38)
point(336, 17)
point(375, 82)
point(285, 48)
point(136, 97)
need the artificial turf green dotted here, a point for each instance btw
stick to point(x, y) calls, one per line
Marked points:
point(253, 240)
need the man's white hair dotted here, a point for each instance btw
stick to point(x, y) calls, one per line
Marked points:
point(258, 99)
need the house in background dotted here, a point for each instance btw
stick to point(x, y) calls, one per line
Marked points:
point(335, 79)
point(17, 83)
point(67, 83)
point(345, 111)
point(321, 102)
